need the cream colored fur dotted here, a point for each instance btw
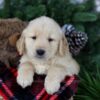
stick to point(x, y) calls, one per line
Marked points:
point(57, 62)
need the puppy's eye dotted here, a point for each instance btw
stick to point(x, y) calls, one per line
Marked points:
point(34, 37)
point(50, 39)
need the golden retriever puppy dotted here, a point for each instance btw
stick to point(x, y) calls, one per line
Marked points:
point(44, 50)
point(10, 31)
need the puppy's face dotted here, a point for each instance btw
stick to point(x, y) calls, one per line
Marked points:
point(41, 45)
point(41, 39)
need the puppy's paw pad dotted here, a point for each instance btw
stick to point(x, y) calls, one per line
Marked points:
point(24, 81)
point(52, 87)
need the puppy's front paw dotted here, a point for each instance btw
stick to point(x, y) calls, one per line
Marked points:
point(24, 80)
point(51, 86)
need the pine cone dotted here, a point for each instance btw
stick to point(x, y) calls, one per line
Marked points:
point(76, 39)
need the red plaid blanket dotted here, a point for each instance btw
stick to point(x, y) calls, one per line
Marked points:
point(10, 90)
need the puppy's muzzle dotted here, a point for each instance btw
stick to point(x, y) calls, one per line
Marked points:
point(40, 53)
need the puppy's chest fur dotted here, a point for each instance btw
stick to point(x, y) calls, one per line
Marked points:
point(41, 68)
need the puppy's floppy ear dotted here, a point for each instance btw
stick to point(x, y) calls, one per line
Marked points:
point(21, 45)
point(63, 46)
point(13, 39)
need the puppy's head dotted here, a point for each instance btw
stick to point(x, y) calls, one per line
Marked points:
point(42, 39)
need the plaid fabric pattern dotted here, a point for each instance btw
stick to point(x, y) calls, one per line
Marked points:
point(10, 90)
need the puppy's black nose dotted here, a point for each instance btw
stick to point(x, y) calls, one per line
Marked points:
point(40, 52)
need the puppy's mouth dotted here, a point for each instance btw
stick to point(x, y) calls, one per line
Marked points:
point(40, 57)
